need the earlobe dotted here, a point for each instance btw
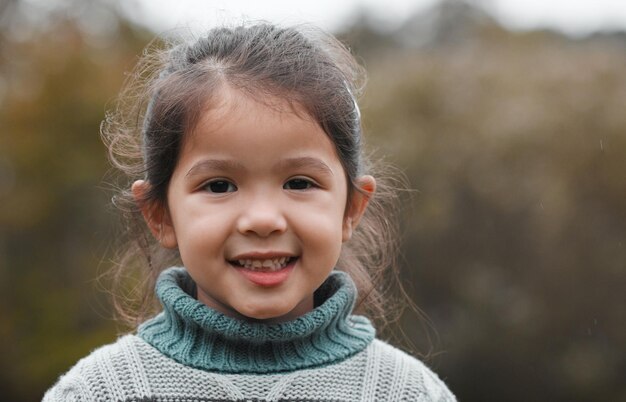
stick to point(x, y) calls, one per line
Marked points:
point(347, 229)
point(366, 186)
point(156, 215)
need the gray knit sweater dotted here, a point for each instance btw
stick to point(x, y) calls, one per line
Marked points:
point(190, 352)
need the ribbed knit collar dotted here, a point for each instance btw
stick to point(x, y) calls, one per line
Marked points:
point(195, 335)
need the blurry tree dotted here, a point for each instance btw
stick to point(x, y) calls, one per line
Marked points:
point(59, 69)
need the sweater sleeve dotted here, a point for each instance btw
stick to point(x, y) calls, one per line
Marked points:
point(425, 385)
point(401, 377)
point(69, 388)
point(102, 376)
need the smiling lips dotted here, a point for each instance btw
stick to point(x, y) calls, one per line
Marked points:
point(274, 264)
point(265, 272)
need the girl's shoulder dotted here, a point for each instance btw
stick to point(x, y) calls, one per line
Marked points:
point(96, 377)
point(398, 370)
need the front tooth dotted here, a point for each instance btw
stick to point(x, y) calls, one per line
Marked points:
point(273, 264)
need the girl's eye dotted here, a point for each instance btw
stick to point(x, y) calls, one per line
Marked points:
point(298, 184)
point(220, 186)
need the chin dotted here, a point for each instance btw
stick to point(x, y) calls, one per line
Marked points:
point(269, 315)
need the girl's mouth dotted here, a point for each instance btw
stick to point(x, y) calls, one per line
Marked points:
point(266, 272)
point(264, 265)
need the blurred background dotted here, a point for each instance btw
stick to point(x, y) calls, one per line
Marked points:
point(509, 120)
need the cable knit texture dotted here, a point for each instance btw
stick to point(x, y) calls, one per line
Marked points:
point(198, 336)
point(192, 353)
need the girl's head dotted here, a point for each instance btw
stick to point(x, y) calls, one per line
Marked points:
point(251, 152)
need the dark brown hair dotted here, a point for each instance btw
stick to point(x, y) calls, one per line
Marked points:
point(172, 85)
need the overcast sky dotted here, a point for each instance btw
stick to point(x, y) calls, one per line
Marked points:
point(573, 16)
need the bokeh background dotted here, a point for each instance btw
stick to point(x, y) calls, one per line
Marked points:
point(514, 140)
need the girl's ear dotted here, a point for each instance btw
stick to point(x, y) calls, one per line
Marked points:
point(366, 186)
point(155, 214)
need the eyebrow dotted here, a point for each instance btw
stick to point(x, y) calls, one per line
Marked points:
point(226, 165)
point(305, 162)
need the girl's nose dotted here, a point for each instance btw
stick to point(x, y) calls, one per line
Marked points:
point(263, 219)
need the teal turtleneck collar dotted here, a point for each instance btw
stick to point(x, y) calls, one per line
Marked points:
point(198, 336)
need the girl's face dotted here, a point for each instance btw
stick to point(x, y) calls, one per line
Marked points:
point(257, 207)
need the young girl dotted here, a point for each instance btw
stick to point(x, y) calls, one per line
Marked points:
point(251, 177)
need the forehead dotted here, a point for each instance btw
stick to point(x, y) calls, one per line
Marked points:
point(238, 126)
point(227, 103)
